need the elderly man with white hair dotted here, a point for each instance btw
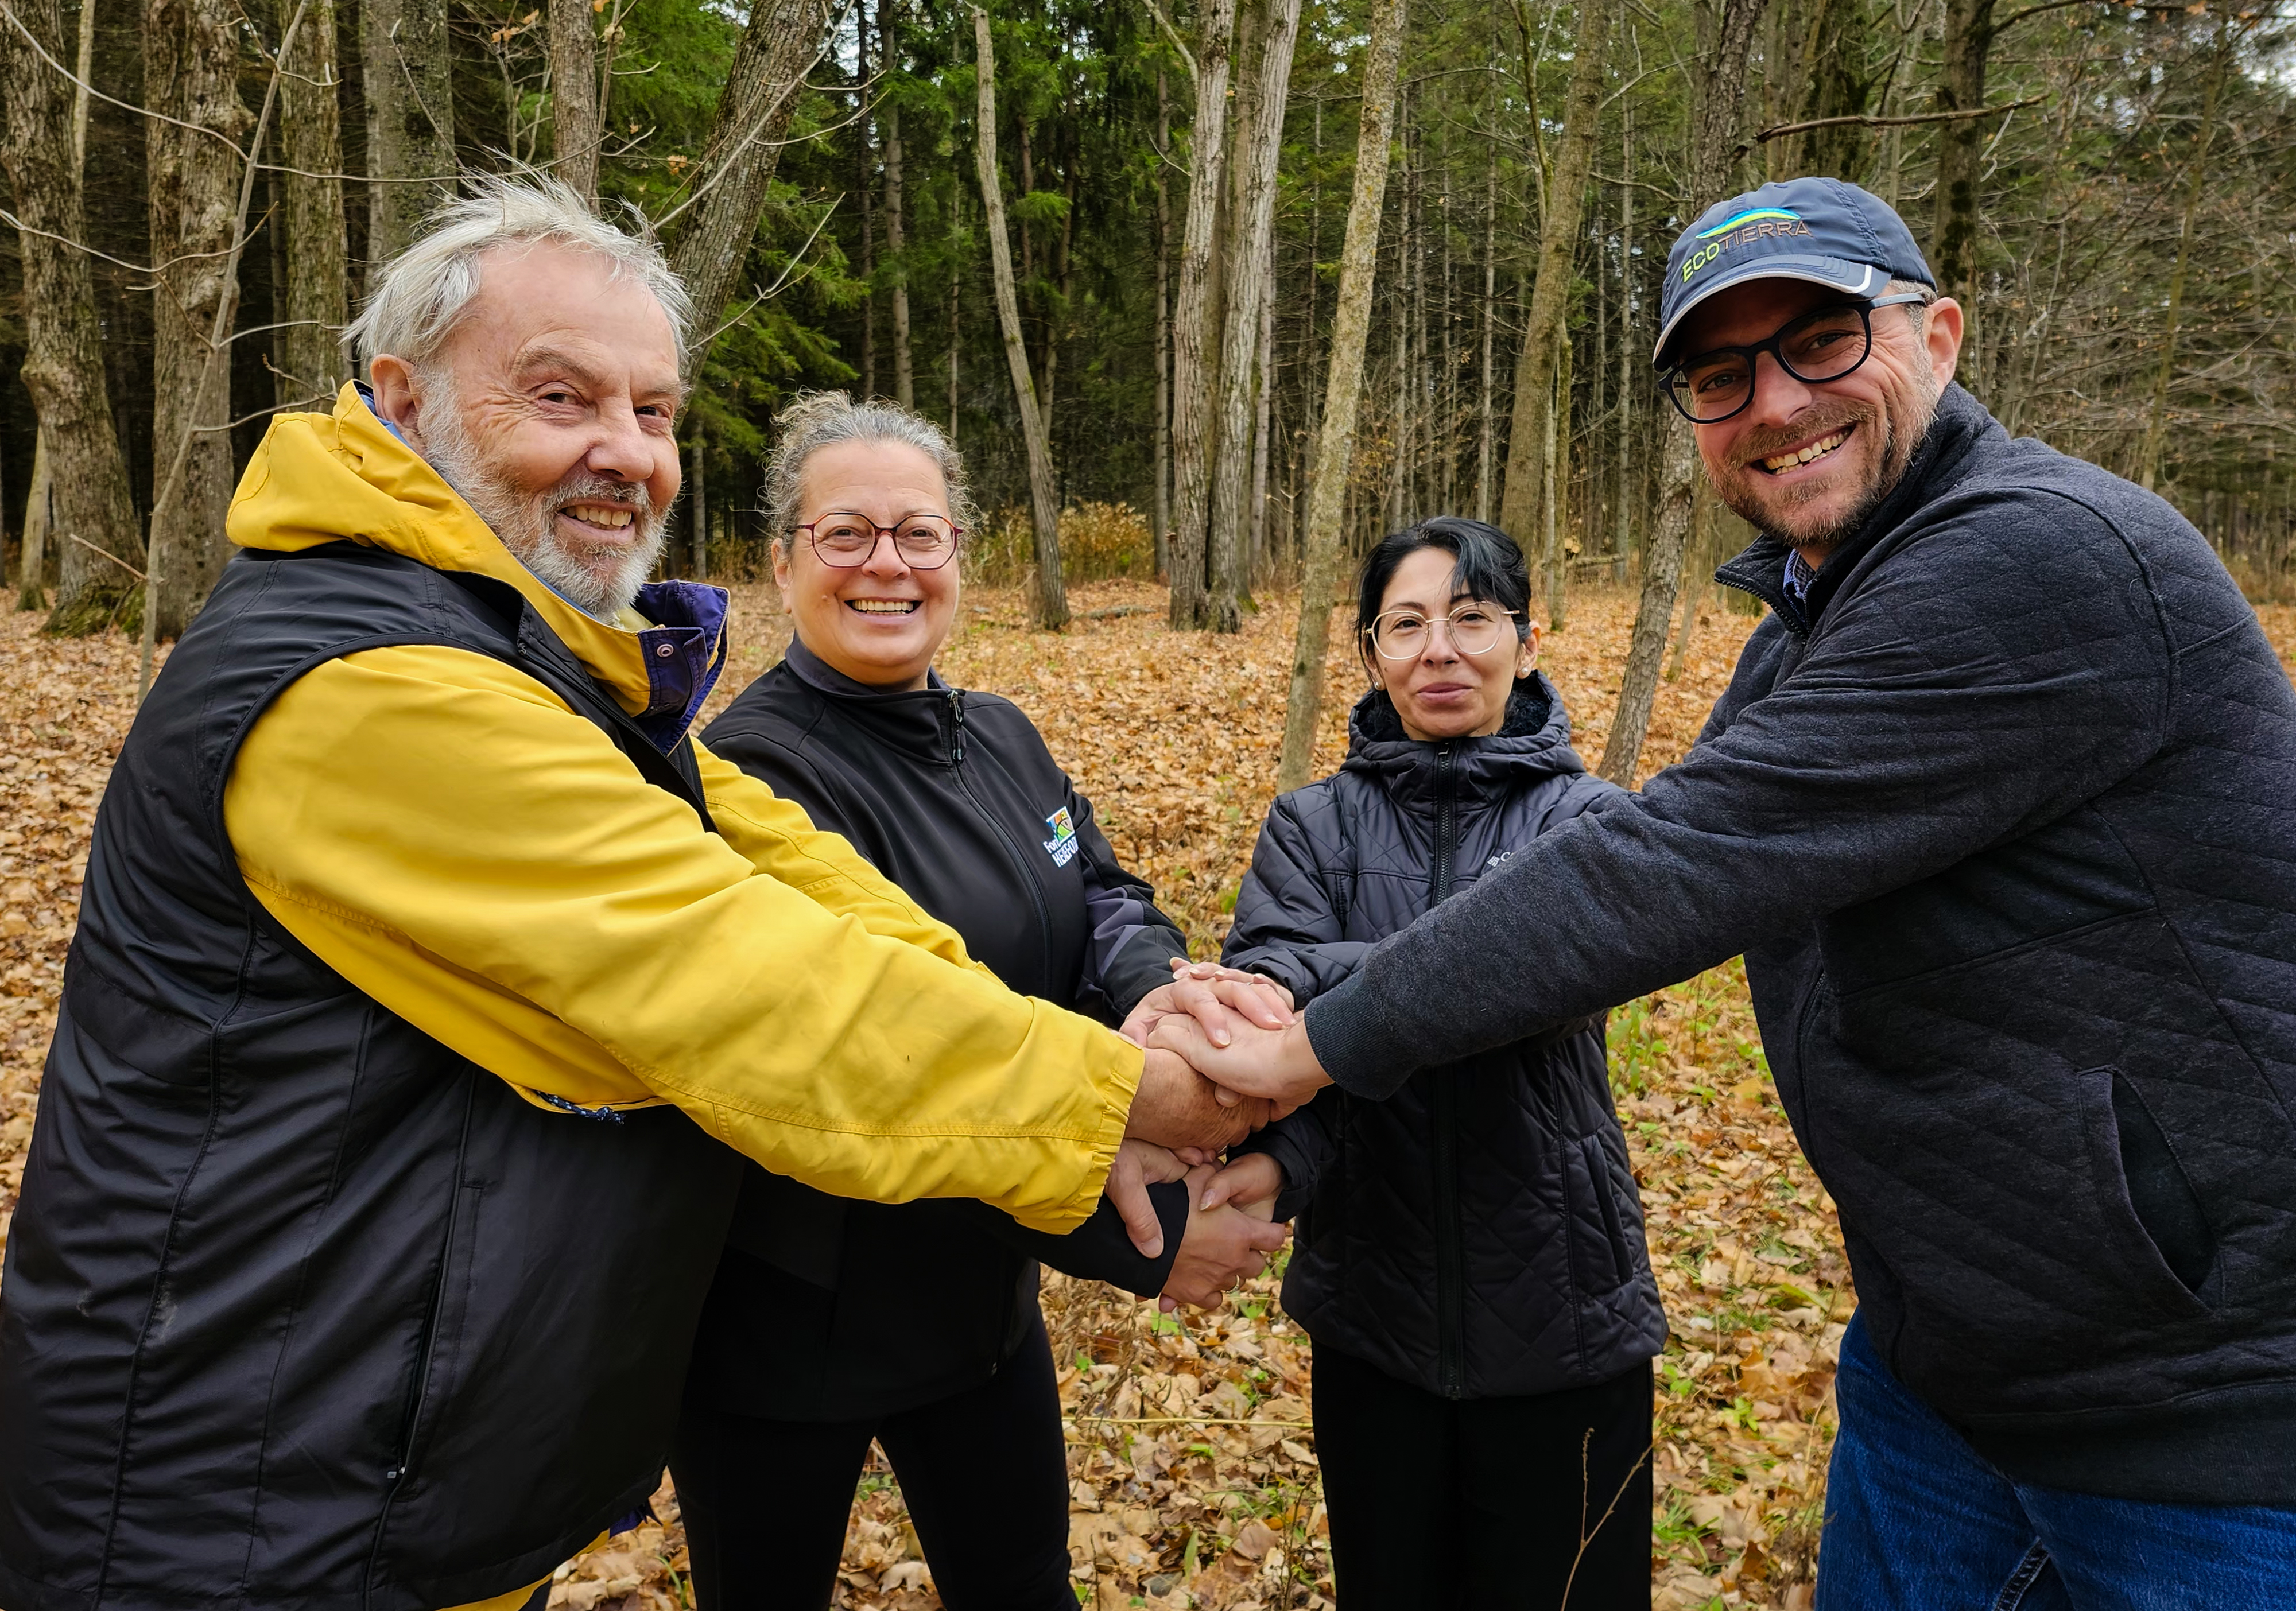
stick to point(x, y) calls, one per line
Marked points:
point(424, 964)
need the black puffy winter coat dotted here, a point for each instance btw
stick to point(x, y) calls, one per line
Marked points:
point(1478, 1233)
point(826, 1309)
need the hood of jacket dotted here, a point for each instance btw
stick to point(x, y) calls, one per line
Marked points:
point(347, 477)
point(1533, 742)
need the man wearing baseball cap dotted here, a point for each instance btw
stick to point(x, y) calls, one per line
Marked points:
point(2000, 808)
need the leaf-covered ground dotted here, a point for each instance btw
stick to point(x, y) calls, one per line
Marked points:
point(1193, 1463)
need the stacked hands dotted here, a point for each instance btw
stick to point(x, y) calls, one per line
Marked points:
point(1227, 1055)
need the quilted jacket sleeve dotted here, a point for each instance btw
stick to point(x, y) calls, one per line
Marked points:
point(1132, 942)
point(1947, 706)
point(1289, 915)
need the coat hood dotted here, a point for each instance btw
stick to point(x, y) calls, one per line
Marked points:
point(1533, 743)
point(347, 477)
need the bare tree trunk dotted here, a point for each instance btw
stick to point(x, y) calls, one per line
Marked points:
point(1618, 515)
point(190, 73)
point(1262, 142)
point(1714, 152)
point(955, 330)
point(32, 563)
point(1191, 401)
point(1048, 603)
point(316, 296)
point(1484, 467)
point(1554, 480)
point(2156, 423)
point(1265, 422)
point(700, 507)
point(1961, 87)
point(1327, 487)
point(905, 387)
point(576, 126)
point(781, 44)
point(410, 116)
point(1163, 496)
point(1550, 298)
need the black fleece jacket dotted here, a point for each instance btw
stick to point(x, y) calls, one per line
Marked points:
point(830, 1310)
point(2004, 823)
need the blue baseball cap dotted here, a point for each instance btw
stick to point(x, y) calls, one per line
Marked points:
point(1823, 230)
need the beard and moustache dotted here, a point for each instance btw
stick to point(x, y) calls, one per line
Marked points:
point(1911, 410)
point(600, 579)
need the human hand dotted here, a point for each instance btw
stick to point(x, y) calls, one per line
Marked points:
point(1178, 1108)
point(1276, 1065)
point(1137, 1165)
point(1220, 999)
point(1252, 1182)
point(1222, 1249)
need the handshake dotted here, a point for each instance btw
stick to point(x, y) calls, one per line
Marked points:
point(1227, 1054)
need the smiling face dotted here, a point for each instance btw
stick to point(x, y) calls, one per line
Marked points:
point(1440, 692)
point(1804, 463)
point(550, 407)
point(882, 621)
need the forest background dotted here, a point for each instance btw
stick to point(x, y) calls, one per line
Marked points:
point(1188, 386)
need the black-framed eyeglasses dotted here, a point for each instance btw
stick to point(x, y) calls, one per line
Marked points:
point(1824, 344)
point(845, 539)
point(1474, 628)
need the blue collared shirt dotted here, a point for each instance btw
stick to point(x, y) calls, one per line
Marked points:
point(1798, 578)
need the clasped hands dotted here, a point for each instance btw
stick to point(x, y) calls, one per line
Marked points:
point(1181, 1122)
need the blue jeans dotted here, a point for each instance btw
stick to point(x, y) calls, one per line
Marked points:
point(1916, 1520)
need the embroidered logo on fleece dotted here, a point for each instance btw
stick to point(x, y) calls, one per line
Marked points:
point(1062, 846)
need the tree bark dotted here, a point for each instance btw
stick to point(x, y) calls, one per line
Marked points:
point(315, 299)
point(1483, 442)
point(1327, 486)
point(1163, 445)
point(191, 72)
point(719, 218)
point(1525, 495)
point(32, 561)
point(1716, 134)
point(1247, 293)
point(1961, 87)
point(1048, 604)
point(700, 507)
point(904, 386)
point(577, 125)
point(64, 357)
point(1191, 604)
point(410, 118)
point(1553, 485)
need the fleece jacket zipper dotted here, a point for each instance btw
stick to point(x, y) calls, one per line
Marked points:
point(1450, 1234)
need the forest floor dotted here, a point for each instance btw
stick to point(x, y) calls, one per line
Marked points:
point(1191, 1454)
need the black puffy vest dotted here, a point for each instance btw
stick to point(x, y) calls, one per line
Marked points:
point(302, 1309)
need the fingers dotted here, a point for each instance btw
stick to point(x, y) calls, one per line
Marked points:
point(1250, 1178)
point(1127, 1189)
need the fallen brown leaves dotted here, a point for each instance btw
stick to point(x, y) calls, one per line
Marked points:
point(1192, 1465)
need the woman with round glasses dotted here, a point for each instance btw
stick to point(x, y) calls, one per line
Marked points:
point(1469, 1253)
point(833, 1323)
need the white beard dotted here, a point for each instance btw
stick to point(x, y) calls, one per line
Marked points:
point(600, 582)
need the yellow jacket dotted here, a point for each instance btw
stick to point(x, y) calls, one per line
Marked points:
point(449, 835)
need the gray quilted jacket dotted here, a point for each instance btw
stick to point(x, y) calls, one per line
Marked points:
point(2004, 820)
point(1478, 1232)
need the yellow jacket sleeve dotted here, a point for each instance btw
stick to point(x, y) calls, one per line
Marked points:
point(443, 831)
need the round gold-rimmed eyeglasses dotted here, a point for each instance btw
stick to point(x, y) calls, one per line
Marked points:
point(1474, 628)
point(845, 539)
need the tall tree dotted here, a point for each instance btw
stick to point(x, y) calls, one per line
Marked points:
point(1530, 437)
point(1163, 429)
point(1048, 604)
point(905, 385)
point(1715, 151)
point(2156, 423)
point(1327, 486)
point(577, 121)
point(190, 73)
point(315, 300)
point(63, 339)
point(408, 80)
point(720, 214)
point(1248, 288)
point(1192, 323)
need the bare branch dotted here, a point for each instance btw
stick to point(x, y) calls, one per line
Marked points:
point(1783, 129)
point(107, 553)
point(1173, 34)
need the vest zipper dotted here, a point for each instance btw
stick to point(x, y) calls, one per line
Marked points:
point(1021, 863)
point(1450, 1232)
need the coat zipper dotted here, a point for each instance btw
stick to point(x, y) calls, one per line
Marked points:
point(1450, 1233)
point(1021, 863)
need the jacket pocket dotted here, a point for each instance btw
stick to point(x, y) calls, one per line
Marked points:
point(2146, 1196)
point(1601, 1260)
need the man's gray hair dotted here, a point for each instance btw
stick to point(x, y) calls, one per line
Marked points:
point(424, 291)
point(816, 419)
